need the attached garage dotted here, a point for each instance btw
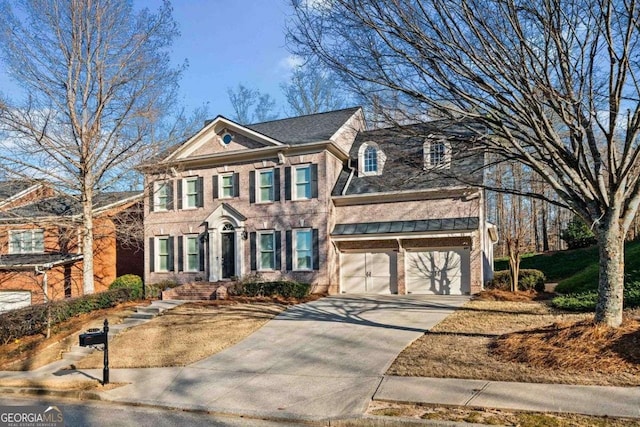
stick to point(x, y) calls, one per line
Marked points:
point(438, 271)
point(368, 272)
point(12, 300)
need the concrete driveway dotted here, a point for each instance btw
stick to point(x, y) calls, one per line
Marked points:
point(323, 359)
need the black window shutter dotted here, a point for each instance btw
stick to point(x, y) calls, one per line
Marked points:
point(201, 243)
point(152, 257)
point(151, 201)
point(278, 237)
point(316, 249)
point(171, 251)
point(214, 184)
point(236, 184)
point(169, 185)
point(252, 247)
point(179, 194)
point(314, 181)
point(276, 185)
point(200, 190)
point(252, 187)
point(180, 254)
point(289, 250)
point(287, 183)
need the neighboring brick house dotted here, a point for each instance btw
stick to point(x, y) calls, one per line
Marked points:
point(39, 252)
point(319, 199)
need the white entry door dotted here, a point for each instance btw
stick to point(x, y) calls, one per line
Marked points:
point(438, 271)
point(368, 272)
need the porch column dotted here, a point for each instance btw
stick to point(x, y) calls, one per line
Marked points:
point(239, 252)
point(214, 256)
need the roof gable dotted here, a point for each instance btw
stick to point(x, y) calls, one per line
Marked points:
point(320, 127)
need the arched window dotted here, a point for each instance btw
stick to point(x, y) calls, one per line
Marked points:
point(371, 159)
point(437, 154)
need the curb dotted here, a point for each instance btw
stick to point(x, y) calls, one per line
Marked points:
point(364, 421)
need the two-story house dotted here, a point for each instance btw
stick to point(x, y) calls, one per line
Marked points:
point(320, 199)
point(40, 258)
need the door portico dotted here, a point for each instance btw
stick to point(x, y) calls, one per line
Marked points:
point(226, 231)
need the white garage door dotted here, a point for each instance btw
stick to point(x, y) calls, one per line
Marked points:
point(368, 273)
point(11, 300)
point(438, 271)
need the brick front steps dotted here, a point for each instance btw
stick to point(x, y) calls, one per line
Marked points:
point(195, 291)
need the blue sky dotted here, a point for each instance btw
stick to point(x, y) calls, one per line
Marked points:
point(225, 42)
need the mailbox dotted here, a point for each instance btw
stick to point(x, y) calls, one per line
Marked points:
point(93, 337)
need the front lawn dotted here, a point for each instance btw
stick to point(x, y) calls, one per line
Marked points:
point(514, 341)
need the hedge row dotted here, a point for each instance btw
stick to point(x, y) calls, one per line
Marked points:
point(527, 279)
point(284, 288)
point(32, 320)
point(586, 301)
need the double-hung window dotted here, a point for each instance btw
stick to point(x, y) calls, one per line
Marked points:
point(371, 159)
point(265, 186)
point(302, 181)
point(163, 251)
point(192, 253)
point(191, 193)
point(26, 241)
point(266, 251)
point(226, 186)
point(161, 199)
point(303, 250)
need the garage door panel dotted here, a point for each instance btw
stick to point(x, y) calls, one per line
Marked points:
point(438, 271)
point(368, 272)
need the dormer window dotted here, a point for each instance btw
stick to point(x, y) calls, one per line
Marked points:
point(437, 154)
point(371, 159)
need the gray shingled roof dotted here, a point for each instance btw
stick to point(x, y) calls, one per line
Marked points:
point(302, 129)
point(12, 187)
point(404, 166)
point(64, 206)
point(12, 261)
point(424, 225)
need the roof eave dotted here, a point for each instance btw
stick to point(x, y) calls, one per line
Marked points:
point(403, 195)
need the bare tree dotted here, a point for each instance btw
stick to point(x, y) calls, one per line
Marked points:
point(251, 106)
point(98, 84)
point(311, 90)
point(555, 83)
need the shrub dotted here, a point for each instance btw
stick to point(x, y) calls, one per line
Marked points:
point(285, 288)
point(577, 234)
point(586, 301)
point(527, 279)
point(32, 320)
point(129, 281)
point(155, 290)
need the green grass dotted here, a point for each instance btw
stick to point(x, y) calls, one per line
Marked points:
point(576, 270)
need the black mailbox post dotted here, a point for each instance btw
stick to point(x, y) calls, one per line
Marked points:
point(95, 337)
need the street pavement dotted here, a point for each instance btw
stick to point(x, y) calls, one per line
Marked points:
point(326, 360)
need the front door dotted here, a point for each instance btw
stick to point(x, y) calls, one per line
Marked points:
point(228, 255)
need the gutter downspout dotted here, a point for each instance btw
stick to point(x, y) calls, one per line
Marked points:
point(353, 171)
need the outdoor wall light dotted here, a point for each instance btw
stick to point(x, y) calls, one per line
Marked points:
point(245, 235)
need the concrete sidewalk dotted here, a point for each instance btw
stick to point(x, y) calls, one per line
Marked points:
point(588, 400)
point(327, 360)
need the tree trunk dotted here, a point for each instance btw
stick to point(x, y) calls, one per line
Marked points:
point(513, 246)
point(87, 242)
point(545, 232)
point(611, 278)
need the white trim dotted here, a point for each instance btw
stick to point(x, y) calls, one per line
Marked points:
point(426, 150)
point(403, 195)
point(32, 231)
point(185, 194)
point(258, 188)
point(156, 188)
point(406, 236)
point(294, 249)
point(21, 194)
point(381, 159)
point(221, 177)
point(294, 183)
point(156, 253)
point(259, 234)
point(211, 130)
point(185, 253)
